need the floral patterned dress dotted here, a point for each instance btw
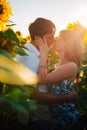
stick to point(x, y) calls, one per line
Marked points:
point(66, 114)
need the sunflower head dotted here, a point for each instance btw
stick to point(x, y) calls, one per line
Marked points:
point(5, 13)
point(1, 9)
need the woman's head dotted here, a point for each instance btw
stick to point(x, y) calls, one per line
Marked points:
point(71, 45)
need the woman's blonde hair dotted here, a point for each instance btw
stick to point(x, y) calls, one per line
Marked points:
point(72, 46)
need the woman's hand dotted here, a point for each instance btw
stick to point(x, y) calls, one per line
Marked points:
point(43, 47)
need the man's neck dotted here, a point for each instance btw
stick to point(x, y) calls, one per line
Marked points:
point(35, 44)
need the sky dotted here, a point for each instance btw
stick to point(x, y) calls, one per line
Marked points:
point(61, 12)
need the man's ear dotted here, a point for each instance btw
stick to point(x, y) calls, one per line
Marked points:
point(36, 38)
point(36, 42)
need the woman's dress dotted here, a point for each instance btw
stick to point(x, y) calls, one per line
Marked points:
point(65, 114)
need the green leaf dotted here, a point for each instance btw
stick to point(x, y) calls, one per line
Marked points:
point(5, 53)
point(15, 94)
point(26, 89)
point(10, 25)
point(2, 98)
point(11, 35)
point(16, 106)
point(42, 113)
point(32, 105)
point(20, 51)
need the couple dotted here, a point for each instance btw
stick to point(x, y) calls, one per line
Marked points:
point(55, 89)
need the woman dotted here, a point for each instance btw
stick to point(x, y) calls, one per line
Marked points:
point(61, 80)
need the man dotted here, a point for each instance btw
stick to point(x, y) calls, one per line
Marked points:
point(39, 28)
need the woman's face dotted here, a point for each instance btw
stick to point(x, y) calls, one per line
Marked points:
point(59, 44)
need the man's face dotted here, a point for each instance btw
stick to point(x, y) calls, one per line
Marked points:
point(50, 39)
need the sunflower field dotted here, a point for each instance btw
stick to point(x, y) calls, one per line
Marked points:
point(14, 90)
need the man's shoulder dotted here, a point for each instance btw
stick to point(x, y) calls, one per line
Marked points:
point(32, 48)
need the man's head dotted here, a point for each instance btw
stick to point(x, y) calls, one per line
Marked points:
point(42, 27)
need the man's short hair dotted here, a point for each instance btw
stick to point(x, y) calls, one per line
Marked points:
point(40, 27)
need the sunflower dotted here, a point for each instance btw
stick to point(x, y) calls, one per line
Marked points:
point(5, 13)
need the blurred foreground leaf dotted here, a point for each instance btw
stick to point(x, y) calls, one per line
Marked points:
point(12, 72)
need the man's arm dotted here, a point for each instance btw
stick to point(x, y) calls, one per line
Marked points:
point(50, 99)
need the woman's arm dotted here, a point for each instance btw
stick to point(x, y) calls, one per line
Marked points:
point(62, 72)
